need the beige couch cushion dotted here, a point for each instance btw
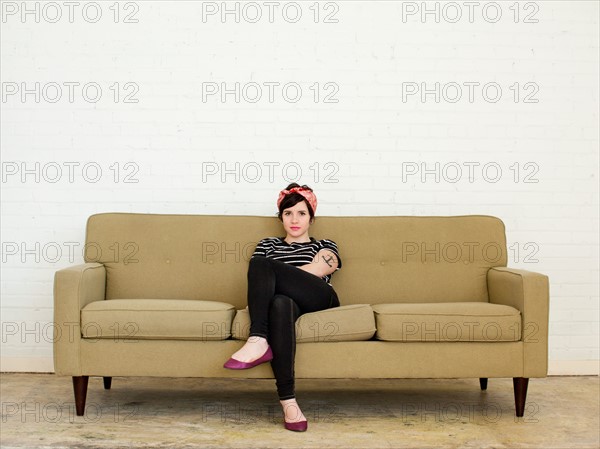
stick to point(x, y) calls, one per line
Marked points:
point(458, 321)
point(345, 323)
point(172, 319)
point(386, 259)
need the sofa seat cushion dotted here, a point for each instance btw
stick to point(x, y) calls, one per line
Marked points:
point(453, 321)
point(353, 322)
point(164, 319)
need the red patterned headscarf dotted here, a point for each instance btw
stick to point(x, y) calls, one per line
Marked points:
point(308, 194)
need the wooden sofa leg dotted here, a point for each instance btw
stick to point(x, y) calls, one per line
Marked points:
point(520, 387)
point(107, 382)
point(483, 383)
point(80, 384)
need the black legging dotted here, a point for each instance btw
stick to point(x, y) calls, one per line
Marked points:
point(278, 293)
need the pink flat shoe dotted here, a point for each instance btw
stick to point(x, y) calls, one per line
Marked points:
point(236, 364)
point(299, 426)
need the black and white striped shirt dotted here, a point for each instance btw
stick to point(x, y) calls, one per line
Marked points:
point(295, 253)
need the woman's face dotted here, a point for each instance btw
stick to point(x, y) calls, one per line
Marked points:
point(296, 220)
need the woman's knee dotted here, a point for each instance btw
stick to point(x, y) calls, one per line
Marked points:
point(281, 301)
point(259, 260)
point(282, 304)
point(258, 263)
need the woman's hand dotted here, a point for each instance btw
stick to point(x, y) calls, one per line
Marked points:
point(325, 262)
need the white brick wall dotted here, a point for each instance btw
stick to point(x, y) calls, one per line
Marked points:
point(369, 135)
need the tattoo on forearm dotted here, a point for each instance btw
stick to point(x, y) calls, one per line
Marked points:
point(327, 261)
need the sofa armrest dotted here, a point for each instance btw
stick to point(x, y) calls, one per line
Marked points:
point(527, 292)
point(74, 288)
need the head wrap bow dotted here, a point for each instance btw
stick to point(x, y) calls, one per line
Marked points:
point(308, 194)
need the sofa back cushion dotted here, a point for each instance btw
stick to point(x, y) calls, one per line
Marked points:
point(384, 259)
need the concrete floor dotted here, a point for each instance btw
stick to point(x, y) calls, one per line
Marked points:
point(38, 411)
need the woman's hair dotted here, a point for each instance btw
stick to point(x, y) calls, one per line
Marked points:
point(292, 199)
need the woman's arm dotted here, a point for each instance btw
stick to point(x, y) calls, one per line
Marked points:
point(325, 262)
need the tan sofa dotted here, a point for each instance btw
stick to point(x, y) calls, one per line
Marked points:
point(421, 297)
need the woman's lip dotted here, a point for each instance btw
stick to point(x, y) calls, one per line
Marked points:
point(295, 227)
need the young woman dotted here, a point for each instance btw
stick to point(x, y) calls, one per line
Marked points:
point(287, 277)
